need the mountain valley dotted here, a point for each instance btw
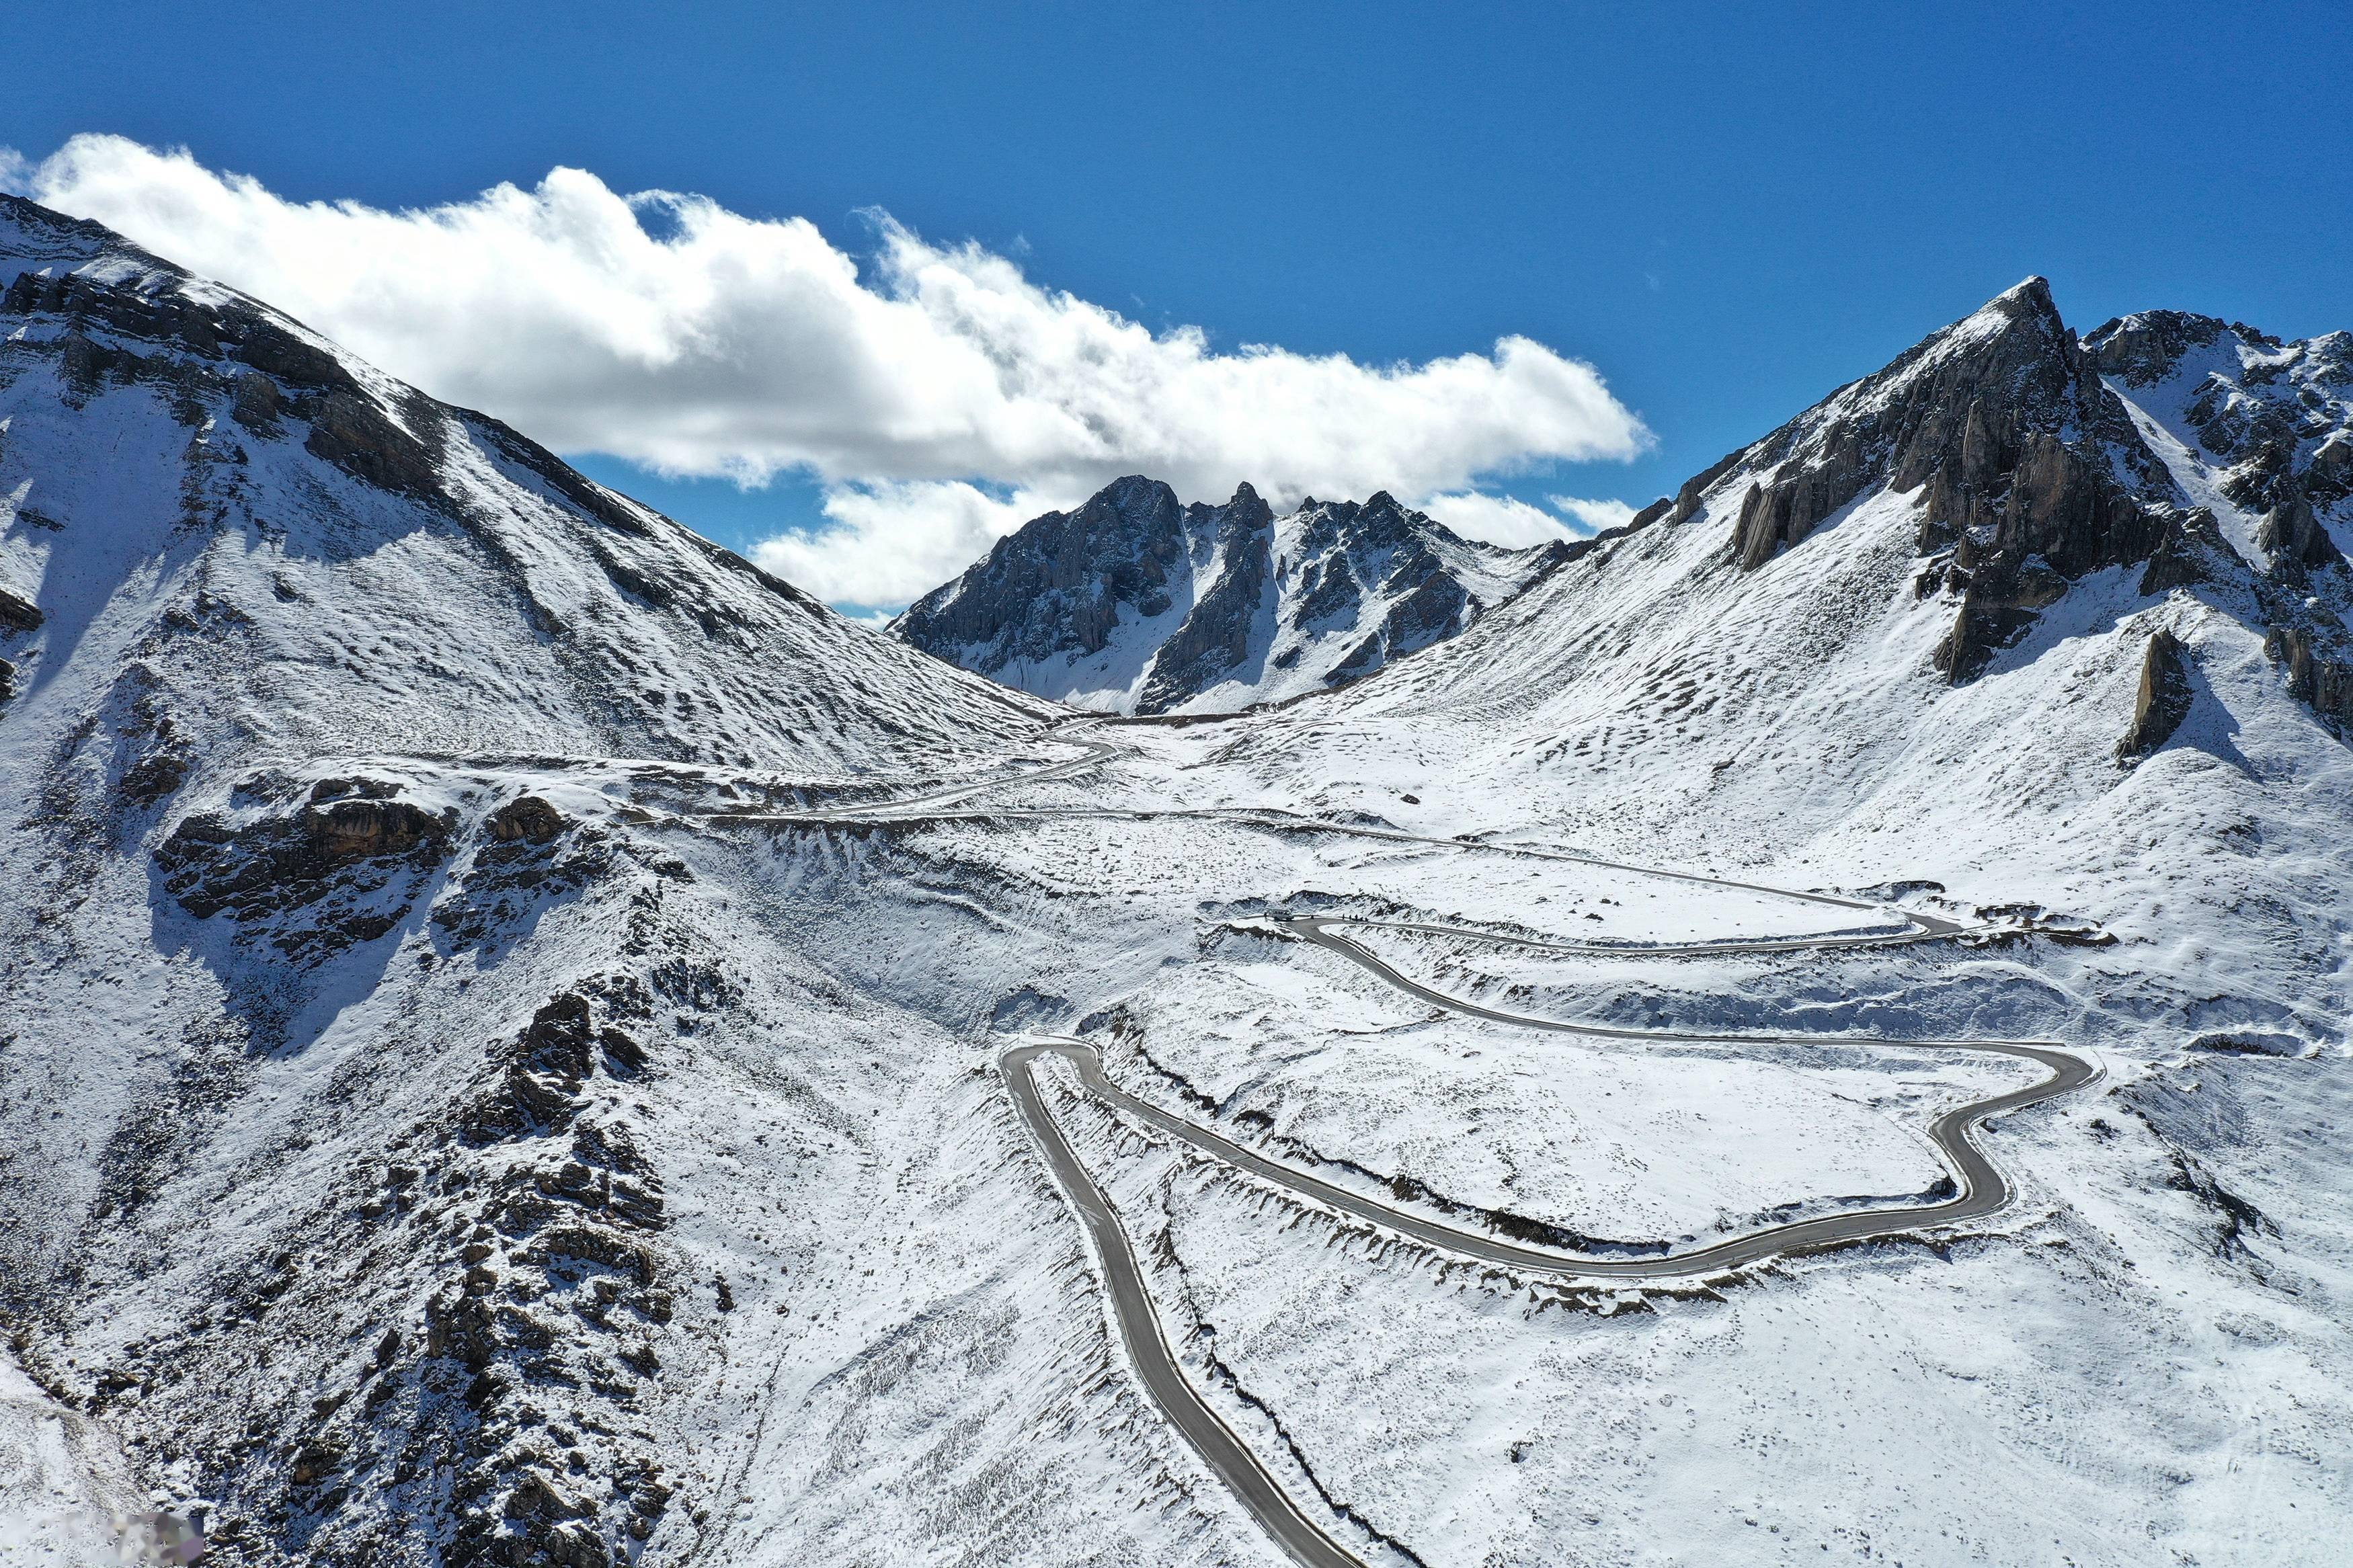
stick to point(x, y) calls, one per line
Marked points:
point(532, 1041)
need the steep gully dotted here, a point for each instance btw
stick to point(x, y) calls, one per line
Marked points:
point(1982, 1188)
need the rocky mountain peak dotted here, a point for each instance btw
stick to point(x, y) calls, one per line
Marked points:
point(2028, 300)
point(1134, 502)
point(1136, 603)
point(2145, 346)
point(2195, 451)
point(2030, 472)
point(1247, 512)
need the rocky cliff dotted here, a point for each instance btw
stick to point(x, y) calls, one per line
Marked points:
point(1135, 603)
point(2184, 449)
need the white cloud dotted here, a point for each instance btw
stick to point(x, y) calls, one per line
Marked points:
point(893, 541)
point(1498, 520)
point(1505, 519)
point(703, 341)
point(1594, 515)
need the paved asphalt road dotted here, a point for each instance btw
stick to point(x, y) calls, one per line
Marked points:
point(1982, 1191)
point(1982, 1188)
point(1147, 1348)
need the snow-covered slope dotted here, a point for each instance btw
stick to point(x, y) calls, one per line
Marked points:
point(1925, 608)
point(2020, 621)
point(503, 1008)
point(320, 705)
point(318, 556)
point(1136, 604)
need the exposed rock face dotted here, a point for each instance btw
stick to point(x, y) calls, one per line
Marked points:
point(2190, 448)
point(2260, 430)
point(364, 827)
point(2268, 420)
point(525, 818)
point(1215, 638)
point(2292, 532)
point(18, 615)
point(1136, 603)
point(353, 432)
point(343, 869)
point(231, 330)
point(2031, 471)
point(203, 346)
point(1080, 568)
point(2163, 702)
point(2320, 678)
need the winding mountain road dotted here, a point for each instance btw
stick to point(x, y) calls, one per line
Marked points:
point(1980, 1188)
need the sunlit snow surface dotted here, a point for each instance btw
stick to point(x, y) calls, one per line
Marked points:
point(912, 1364)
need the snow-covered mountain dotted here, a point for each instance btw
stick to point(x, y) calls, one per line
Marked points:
point(2024, 620)
point(1136, 604)
point(326, 557)
point(2166, 469)
point(506, 1008)
point(2056, 606)
point(330, 952)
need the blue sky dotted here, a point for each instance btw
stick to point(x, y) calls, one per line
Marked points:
point(1725, 211)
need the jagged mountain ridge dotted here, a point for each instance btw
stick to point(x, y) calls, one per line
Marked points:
point(1135, 603)
point(1990, 573)
point(343, 979)
point(2041, 464)
point(487, 567)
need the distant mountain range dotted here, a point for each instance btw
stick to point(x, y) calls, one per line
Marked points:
point(1135, 603)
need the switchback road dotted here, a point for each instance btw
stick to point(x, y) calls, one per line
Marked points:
point(1980, 1188)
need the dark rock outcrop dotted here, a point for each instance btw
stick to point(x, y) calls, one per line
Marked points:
point(351, 431)
point(2273, 417)
point(2271, 424)
point(344, 867)
point(2030, 473)
point(2317, 677)
point(257, 404)
point(265, 369)
point(2163, 702)
point(19, 615)
point(2190, 551)
point(2292, 533)
point(153, 776)
point(1043, 609)
point(1216, 638)
point(2146, 347)
point(342, 831)
point(1690, 495)
point(526, 819)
